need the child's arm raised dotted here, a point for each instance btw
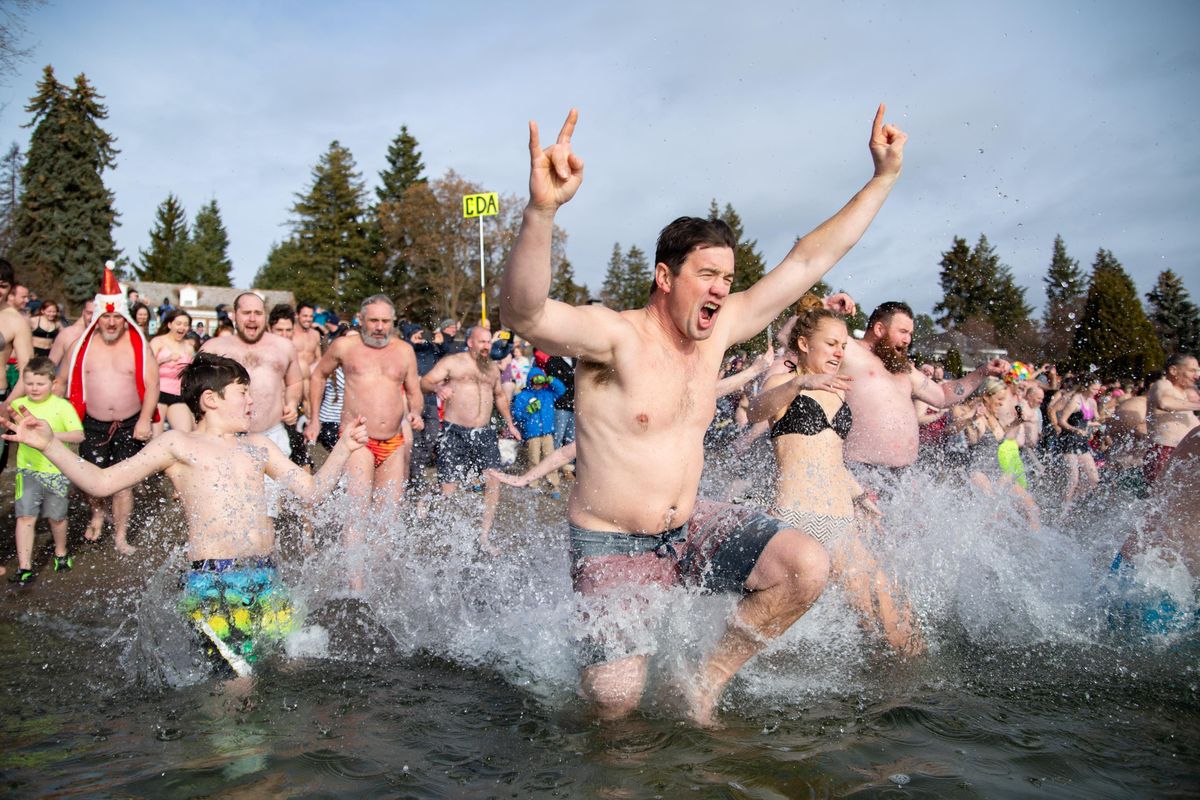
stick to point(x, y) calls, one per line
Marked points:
point(310, 488)
point(36, 433)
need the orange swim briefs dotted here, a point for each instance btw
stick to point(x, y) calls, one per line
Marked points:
point(382, 449)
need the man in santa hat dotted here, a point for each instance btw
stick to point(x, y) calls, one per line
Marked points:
point(112, 381)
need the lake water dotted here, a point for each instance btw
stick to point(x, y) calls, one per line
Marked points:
point(454, 674)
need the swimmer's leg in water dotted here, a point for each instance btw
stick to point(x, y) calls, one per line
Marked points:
point(787, 579)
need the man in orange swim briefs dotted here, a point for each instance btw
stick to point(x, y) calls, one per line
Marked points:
point(382, 386)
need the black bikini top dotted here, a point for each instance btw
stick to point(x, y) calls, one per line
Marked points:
point(806, 417)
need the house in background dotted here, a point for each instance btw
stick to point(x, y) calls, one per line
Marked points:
point(200, 301)
point(973, 350)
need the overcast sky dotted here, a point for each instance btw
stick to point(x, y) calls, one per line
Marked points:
point(1024, 119)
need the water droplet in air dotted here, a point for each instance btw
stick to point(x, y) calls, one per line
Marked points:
point(899, 778)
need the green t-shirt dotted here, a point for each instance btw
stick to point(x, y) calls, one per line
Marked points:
point(62, 418)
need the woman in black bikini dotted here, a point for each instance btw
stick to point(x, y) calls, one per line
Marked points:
point(46, 326)
point(813, 489)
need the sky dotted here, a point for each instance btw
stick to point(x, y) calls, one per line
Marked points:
point(1025, 119)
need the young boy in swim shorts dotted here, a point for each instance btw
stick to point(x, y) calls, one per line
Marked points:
point(232, 592)
point(40, 489)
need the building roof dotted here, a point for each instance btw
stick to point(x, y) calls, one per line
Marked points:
point(207, 297)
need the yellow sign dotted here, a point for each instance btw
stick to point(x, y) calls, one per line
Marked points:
point(480, 205)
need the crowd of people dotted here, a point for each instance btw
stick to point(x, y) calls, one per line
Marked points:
point(617, 405)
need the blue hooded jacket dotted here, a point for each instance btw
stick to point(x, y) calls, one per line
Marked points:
point(533, 409)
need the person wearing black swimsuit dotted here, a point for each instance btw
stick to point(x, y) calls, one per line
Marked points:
point(46, 326)
point(814, 491)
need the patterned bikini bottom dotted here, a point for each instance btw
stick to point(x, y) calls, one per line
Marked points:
point(825, 528)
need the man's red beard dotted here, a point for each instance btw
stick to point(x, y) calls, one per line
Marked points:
point(895, 360)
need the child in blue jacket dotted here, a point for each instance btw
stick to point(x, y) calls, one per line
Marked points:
point(533, 413)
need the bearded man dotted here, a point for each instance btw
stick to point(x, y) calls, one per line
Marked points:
point(113, 384)
point(883, 386)
point(275, 378)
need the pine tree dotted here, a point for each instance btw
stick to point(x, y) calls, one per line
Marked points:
point(10, 195)
point(404, 168)
point(1066, 287)
point(207, 255)
point(1175, 317)
point(613, 288)
point(332, 264)
point(748, 265)
point(65, 220)
point(564, 288)
point(976, 286)
point(636, 274)
point(165, 261)
point(1114, 333)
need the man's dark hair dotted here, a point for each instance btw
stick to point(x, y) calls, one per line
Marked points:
point(303, 305)
point(40, 365)
point(281, 311)
point(681, 237)
point(1177, 359)
point(885, 311)
point(209, 372)
point(7, 274)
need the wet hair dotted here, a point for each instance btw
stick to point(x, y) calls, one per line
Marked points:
point(169, 317)
point(281, 311)
point(377, 298)
point(40, 365)
point(209, 372)
point(677, 241)
point(885, 311)
point(810, 313)
point(1177, 360)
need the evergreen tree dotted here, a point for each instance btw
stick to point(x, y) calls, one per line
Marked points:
point(404, 168)
point(165, 261)
point(612, 291)
point(10, 195)
point(564, 288)
point(333, 265)
point(748, 264)
point(207, 254)
point(65, 220)
point(1066, 286)
point(1114, 333)
point(966, 283)
point(637, 276)
point(1175, 317)
point(976, 286)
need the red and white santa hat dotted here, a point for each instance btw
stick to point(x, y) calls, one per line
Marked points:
point(110, 300)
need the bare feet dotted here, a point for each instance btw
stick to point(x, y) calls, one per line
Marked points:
point(124, 547)
point(94, 529)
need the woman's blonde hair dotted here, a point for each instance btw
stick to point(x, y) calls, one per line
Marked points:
point(810, 312)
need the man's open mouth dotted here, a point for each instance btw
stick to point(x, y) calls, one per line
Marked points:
point(708, 311)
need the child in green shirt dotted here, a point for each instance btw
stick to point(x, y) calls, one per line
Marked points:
point(41, 488)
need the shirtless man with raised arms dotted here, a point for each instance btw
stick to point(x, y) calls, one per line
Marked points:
point(645, 393)
point(883, 387)
point(468, 384)
point(382, 387)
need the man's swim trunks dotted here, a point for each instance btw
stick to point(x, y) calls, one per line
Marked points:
point(466, 452)
point(1155, 461)
point(382, 449)
point(715, 551)
point(242, 600)
point(108, 442)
